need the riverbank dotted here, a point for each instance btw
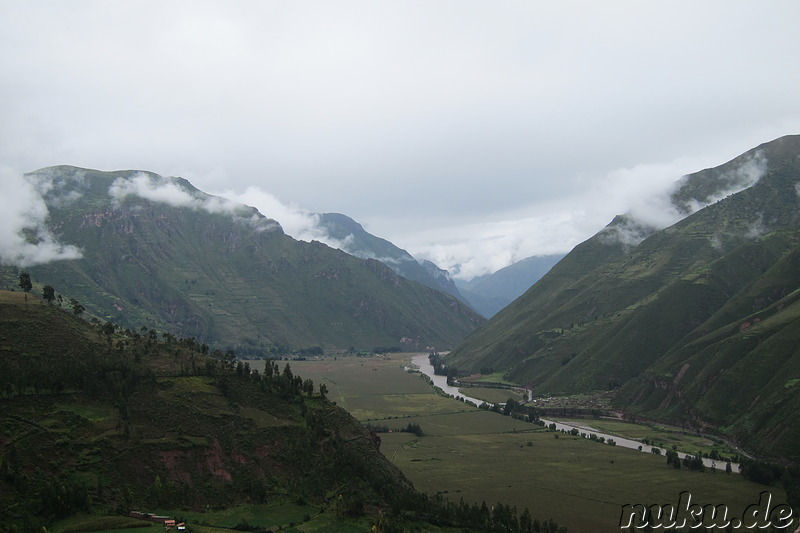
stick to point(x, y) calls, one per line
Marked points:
point(422, 363)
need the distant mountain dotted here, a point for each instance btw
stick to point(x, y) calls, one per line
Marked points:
point(490, 293)
point(159, 253)
point(360, 243)
point(697, 323)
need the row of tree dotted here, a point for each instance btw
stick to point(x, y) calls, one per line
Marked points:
point(411, 427)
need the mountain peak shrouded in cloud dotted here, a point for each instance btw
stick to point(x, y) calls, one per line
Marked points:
point(178, 192)
point(470, 135)
point(684, 197)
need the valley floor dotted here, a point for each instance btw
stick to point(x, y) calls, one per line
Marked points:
point(477, 455)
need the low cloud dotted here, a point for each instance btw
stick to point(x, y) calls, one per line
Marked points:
point(153, 188)
point(643, 193)
point(660, 206)
point(169, 191)
point(25, 239)
point(556, 226)
point(296, 221)
point(729, 182)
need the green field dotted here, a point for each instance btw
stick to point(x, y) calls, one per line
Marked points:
point(658, 434)
point(483, 456)
point(491, 395)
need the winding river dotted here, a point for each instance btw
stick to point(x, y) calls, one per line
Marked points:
point(421, 361)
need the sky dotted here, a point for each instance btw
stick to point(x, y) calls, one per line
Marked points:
point(470, 133)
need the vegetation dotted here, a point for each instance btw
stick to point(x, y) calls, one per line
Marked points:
point(479, 455)
point(102, 420)
point(697, 325)
point(230, 278)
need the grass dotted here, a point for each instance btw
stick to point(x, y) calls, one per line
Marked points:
point(287, 517)
point(490, 395)
point(104, 524)
point(92, 413)
point(483, 456)
point(662, 435)
point(267, 516)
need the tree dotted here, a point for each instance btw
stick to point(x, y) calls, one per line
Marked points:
point(25, 282)
point(48, 293)
point(77, 308)
point(510, 407)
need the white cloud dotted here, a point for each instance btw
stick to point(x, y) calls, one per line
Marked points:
point(169, 191)
point(153, 188)
point(482, 120)
point(296, 221)
point(556, 226)
point(25, 239)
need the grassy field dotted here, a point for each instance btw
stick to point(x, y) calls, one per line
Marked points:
point(287, 517)
point(491, 395)
point(658, 434)
point(482, 456)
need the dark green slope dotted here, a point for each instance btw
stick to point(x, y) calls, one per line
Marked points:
point(114, 421)
point(226, 274)
point(612, 314)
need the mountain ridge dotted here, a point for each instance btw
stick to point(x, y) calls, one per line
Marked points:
point(159, 252)
point(355, 240)
point(490, 293)
point(616, 314)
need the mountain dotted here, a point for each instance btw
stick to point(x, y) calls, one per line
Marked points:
point(490, 293)
point(697, 323)
point(159, 253)
point(357, 241)
point(97, 419)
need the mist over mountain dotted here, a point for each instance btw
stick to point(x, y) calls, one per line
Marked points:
point(696, 322)
point(351, 237)
point(157, 252)
point(489, 293)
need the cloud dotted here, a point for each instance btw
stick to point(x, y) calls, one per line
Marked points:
point(296, 221)
point(730, 181)
point(664, 202)
point(452, 119)
point(25, 239)
point(153, 188)
point(555, 226)
point(171, 192)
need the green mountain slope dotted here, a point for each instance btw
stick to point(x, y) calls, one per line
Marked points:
point(160, 253)
point(103, 419)
point(661, 315)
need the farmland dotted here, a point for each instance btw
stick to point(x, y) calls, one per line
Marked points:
point(484, 456)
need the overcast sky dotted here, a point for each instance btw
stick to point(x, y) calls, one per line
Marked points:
point(471, 133)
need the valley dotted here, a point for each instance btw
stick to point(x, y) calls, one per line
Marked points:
point(193, 354)
point(477, 455)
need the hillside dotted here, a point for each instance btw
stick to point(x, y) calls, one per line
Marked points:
point(97, 418)
point(158, 252)
point(695, 323)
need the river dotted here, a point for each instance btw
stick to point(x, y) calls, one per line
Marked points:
point(422, 362)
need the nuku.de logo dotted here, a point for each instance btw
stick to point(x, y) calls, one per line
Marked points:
point(687, 514)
